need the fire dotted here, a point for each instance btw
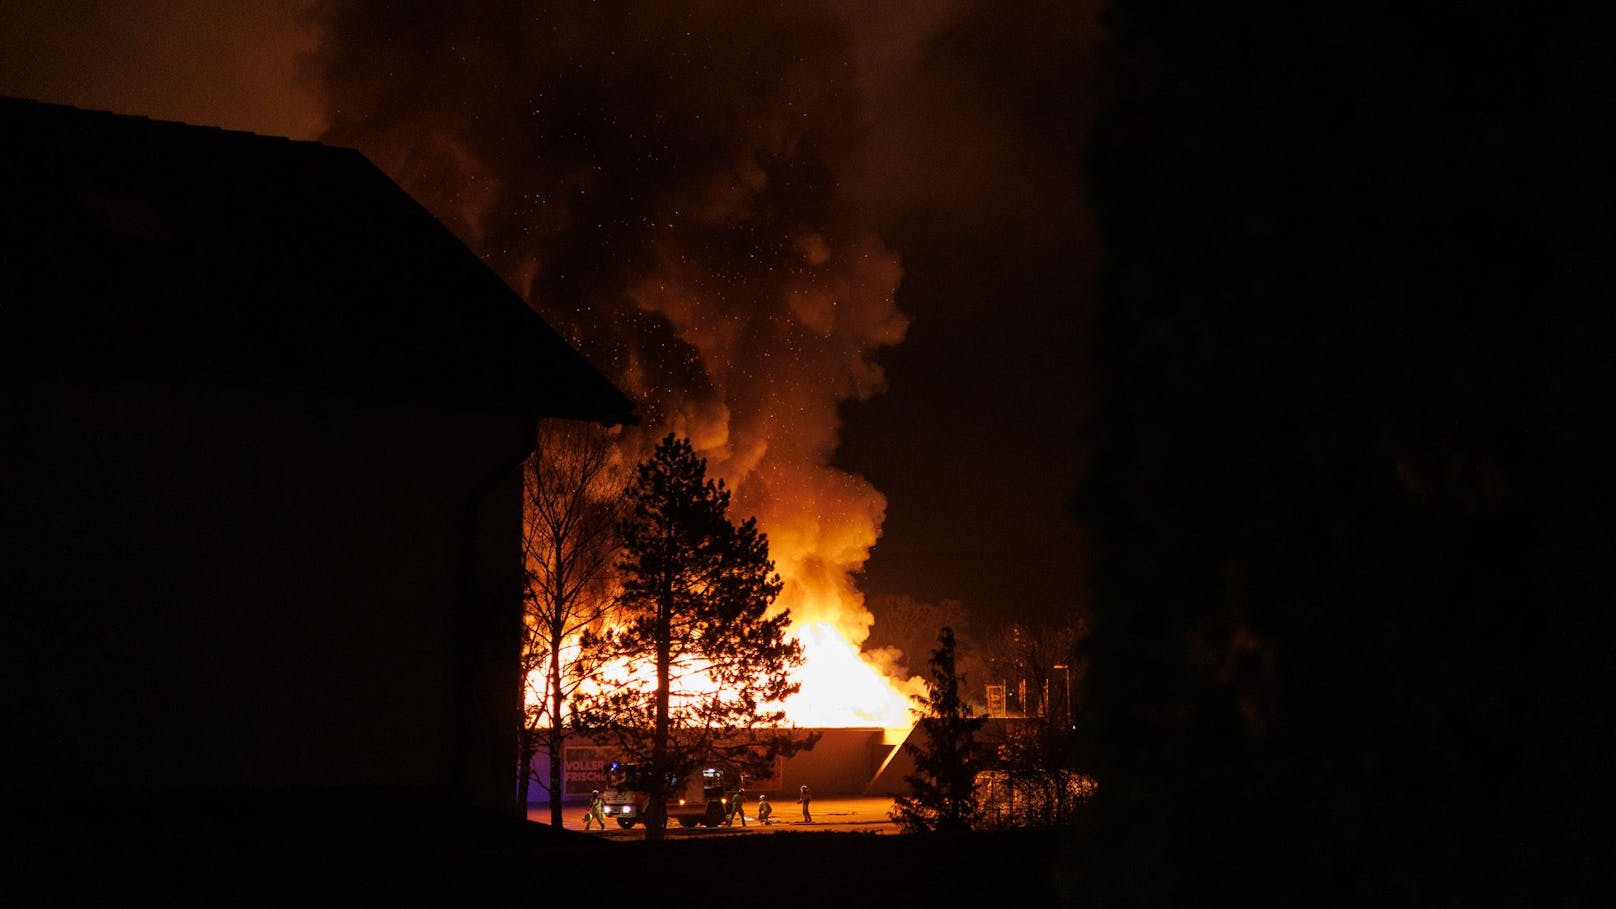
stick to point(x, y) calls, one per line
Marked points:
point(708, 250)
point(821, 524)
point(708, 259)
point(840, 687)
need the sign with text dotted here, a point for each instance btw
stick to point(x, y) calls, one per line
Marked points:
point(583, 768)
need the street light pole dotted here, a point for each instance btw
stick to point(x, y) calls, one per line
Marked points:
point(1067, 671)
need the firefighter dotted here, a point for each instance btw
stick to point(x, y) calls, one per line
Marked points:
point(805, 796)
point(764, 810)
point(737, 808)
point(597, 811)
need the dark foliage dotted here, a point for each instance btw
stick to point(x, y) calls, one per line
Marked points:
point(947, 755)
point(1036, 779)
point(696, 601)
point(1347, 491)
point(1038, 663)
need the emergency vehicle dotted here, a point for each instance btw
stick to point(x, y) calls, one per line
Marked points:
point(701, 798)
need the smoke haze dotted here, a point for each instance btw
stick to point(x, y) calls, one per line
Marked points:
point(707, 198)
point(692, 194)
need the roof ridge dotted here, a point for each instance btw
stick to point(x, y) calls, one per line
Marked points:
point(159, 121)
point(284, 263)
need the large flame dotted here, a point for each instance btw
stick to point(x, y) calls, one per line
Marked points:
point(821, 523)
point(840, 687)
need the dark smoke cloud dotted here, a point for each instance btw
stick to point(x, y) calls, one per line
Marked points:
point(236, 65)
point(663, 183)
point(660, 181)
point(708, 198)
point(703, 196)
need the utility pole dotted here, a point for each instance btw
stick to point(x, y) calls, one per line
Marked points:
point(1067, 670)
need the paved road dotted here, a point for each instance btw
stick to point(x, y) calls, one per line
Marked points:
point(867, 815)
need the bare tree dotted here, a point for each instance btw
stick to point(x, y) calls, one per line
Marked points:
point(573, 499)
point(1035, 779)
point(1023, 657)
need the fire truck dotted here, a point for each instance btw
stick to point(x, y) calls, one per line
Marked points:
point(700, 798)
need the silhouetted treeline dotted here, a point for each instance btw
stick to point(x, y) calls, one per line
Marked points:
point(1347, 493)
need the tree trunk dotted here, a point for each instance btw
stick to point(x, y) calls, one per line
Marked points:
point(657, 824)
point(558, 738)
point(556, 743)
point(524, 769)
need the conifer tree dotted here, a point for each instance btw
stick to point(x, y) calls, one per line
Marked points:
point(696, 605)
point(946, 755)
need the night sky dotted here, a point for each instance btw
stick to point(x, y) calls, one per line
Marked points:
point(761, 219)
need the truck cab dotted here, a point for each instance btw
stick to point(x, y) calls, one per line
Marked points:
point(627, 793)
point(700, 798)
point(704, 797)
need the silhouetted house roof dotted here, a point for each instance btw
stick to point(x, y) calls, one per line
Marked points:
point(152, 249)
point(262, 424)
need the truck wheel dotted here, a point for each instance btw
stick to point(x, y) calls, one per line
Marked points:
point(714, 816)
point(685, 821)
point(625, 822)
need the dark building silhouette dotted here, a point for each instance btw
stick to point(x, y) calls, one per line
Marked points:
point(261, 426)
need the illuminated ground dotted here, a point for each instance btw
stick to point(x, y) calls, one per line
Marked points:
point(842, 815)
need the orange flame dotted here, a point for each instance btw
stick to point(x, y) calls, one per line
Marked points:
point(840, 686)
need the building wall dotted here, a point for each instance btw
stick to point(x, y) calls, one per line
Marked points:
point(489, 638)
point(842, 763)
point(213, 589)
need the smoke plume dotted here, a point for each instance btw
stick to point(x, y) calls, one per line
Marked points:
point(706, 197)
point(664, 186)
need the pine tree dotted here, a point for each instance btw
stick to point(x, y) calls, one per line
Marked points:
point(947, 755)
point(696, 602)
